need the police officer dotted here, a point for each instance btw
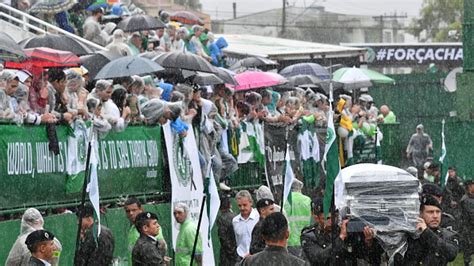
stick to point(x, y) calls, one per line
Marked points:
point(41, 245)
point(228, 254)
point(275, 231)
point(265, 207)
point(323, 247)
point(146, 250)
point(467, 221)
point(92, 252)
point(433, 190)
point(433, 245)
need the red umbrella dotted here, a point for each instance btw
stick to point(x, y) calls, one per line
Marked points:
point(186, 17)
point(254, 80)
point(43, 57)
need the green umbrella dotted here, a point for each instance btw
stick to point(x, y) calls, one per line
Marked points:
point(357, 78)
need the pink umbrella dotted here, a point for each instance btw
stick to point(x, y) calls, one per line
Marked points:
point(253, 80)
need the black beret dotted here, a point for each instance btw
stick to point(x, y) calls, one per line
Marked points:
point(274, 222)
point(38, 236)
point(429, 200)
point(146, 216)
point(432, 190)
point(262, 203)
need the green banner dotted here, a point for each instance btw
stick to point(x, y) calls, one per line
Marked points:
point(130, 162)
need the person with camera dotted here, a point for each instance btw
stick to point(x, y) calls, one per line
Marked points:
point(433, 245)
point(324, 245)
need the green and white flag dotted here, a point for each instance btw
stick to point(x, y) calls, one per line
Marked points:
point(331, 161)
point(77, 155)
point(442, 159)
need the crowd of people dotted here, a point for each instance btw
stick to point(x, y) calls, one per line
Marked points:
point(228, 128)
point(297, 234)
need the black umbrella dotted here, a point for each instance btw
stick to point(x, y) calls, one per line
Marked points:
point(9, 49)
point(254, 62)
point(128, 66)
point(205, 79)
point(226, 76)
point(57, 42)
point(306, 69)
point(181, 60)
point(95, 62)
point(52, 6)
point(139, 23)
point(300, 80)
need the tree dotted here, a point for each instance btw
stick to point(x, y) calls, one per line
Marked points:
point(437, 18)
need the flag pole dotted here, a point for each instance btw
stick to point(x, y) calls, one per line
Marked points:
point(332, 208)
point(197, 230)
point(284, 170)
point(84, 188)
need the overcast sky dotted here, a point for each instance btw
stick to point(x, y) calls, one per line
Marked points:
point(221, 9)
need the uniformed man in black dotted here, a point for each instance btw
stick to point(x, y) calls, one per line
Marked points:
point(276, 232)
point(146, 250)
point(467, 222)
point(321, 246)
point(448, 220)
point(265, 207)
point(432, 245)
point(225, 231)
point(91, 251)
point(41, 245)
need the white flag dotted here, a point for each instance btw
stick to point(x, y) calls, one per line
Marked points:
point(289, 176)
point(93, 186)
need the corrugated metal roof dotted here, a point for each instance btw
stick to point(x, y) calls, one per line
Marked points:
point(285, 49)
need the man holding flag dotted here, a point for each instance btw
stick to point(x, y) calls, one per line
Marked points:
point(93, 249)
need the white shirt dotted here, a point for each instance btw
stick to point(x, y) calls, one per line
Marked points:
point(45, 262)
point(111, 113)
point(243, 231)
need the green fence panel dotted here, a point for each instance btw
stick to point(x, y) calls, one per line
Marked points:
point(249, 175)
point(30, 175)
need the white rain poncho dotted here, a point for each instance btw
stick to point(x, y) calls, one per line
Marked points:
point(31, 220)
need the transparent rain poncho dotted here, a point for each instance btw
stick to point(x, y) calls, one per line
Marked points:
point(31, 220)
point(382, 197)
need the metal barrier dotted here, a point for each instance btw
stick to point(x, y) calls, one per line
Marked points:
point(24, 22)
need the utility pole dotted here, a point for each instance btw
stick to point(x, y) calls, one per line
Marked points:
point(381, 19)
point(283, 18)
point(234, 9)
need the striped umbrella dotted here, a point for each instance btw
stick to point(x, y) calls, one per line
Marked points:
point(52, 6)
point(43, 57)
point(9, 49)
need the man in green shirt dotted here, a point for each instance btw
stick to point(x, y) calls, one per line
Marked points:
point(133, 208)
point(386, 116)
point(185, 239)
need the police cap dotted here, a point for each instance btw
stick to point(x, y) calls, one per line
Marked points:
point(429, 201)
point(36, 237)
point(262, 203)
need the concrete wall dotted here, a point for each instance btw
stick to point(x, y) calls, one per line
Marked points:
point(15, 32)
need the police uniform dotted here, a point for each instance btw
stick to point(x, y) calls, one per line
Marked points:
point(319, 248)
point(273, 255)
point(146, 250)
point(34, 238)
point(228, 254)
point(467, 225)
point(92, 253)
point(435, 246)
point(257, 244)
point(447, 220)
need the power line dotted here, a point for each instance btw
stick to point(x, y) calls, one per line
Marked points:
point(313, 26)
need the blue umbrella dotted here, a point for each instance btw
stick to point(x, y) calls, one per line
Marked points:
point(96, 5)
point(312, 69)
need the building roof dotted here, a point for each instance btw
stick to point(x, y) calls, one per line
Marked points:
point(284, 49)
